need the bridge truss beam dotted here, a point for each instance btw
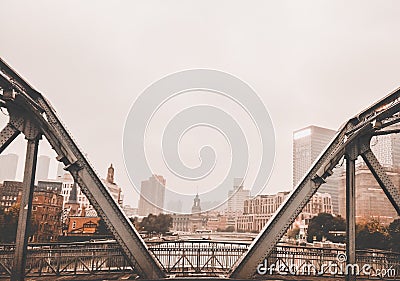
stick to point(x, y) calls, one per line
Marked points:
point(382, 178)
point(25, 105)
point(353, 134)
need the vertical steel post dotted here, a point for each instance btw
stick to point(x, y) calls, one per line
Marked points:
point(350, 214)
point(21, 240)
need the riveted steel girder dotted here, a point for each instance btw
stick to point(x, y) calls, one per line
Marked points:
point(34, 107)
point(7, 135)
point(391, 191)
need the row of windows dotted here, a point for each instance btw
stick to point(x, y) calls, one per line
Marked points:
point(8, 197)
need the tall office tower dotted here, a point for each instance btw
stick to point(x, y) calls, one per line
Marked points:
point(42, 169)
point(372, 202)
point(308, 143)
point(236, 197)
point(8, 167)
point(387, 149)
point(152, 195)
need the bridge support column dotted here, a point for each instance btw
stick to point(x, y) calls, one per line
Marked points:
point(21, 240)
point(351, 157)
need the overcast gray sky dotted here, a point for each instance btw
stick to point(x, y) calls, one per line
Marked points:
point(311, 62)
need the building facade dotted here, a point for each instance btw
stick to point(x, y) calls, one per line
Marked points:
point(236, 198)
point(190, 222)
point(42, 169)
point(152, 196)
point(46, 212)
point(9, 191)
point(68, 184)
point(260, 209)
point(371, 201)
point(308, 143)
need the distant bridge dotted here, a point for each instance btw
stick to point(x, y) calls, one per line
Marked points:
point(31, 114)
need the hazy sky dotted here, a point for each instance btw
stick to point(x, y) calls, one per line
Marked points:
point(311, 62)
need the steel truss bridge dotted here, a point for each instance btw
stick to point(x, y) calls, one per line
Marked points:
point(192, 258)
point(31, 114)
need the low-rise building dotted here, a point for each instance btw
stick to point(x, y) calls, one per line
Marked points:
point(82, 226)
point(260, 209)
point(46, 213)
point(9, 191)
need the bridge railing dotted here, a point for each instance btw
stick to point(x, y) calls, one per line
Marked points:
point(67, 259)
point(288, 260)
point(197, 258)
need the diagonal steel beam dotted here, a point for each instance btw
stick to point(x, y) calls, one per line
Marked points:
point(391, 191)
point(262, 246)
point(28, 104)
point(7, 135)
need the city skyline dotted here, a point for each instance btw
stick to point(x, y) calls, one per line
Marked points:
point(291, 63)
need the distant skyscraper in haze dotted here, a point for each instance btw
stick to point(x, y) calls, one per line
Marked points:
point(8, 167)
point(152, 195)
point(60, 170)
point(42, 170)
point(236, 197)
point(308, 143)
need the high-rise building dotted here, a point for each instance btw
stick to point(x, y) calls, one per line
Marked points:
point(174, 206)
point(308, 143)
point(387, 149)
point(236, 197)
point(152, 195)
point(371, 201)
point(8, 167)
point(42, 169)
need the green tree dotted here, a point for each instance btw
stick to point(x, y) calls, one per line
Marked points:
point(292, 233)
point(394, 235)
point(320, 226)
point(9, 224)
point(135, 222)
point(102, 228)
point(372, 235)
point(156, 224)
